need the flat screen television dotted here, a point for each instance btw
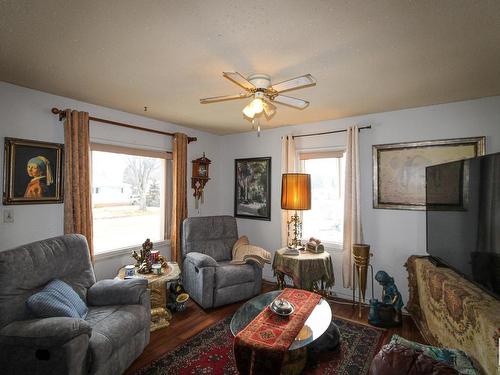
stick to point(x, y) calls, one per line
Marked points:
point(463, 218)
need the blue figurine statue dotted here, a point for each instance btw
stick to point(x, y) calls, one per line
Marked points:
point(388, 312)
point(390, 293)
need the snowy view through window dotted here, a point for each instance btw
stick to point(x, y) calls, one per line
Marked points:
point(325, 218)
point(127, 200)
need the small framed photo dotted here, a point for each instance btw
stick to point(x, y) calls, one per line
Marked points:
point(252, 188)
point(33, 172)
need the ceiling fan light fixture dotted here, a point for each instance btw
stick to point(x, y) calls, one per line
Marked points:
point(269, 110)
point(248, 110)
point(264, 93)
point(257, 105)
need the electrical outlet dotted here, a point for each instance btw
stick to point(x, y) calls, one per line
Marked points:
point(8, 215)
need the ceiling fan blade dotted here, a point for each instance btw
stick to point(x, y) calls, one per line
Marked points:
point(269, 109)
point(295, 83)
point(239, 80)
point(292, 102)
point(215, 99)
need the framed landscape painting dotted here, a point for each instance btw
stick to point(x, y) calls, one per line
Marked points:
point(33, 172)
point(252, 188)
point(399, 168)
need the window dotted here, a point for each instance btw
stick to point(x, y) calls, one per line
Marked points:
point(128, 196)
point(325, 219)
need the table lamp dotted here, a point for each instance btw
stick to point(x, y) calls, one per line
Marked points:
point(296, 195)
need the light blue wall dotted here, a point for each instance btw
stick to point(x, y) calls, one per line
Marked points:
point(394, 235)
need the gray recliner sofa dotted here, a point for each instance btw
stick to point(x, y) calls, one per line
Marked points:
point(111, 337)
point(207, 274)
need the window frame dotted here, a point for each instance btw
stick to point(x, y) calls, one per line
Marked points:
point(323, 153)
point(126, 150)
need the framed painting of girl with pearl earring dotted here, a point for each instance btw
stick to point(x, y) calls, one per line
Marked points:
point(33, 172)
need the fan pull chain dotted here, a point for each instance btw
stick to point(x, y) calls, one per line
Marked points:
point(258, 126)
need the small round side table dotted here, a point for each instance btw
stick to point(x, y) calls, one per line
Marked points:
point(308, 270)
point(157, 285)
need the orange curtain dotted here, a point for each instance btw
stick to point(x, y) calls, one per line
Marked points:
point(77, 189)
point(179, 194)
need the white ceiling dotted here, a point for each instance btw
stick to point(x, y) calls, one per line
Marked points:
point(367, 56)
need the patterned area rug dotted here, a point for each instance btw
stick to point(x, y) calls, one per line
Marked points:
point(211, 352)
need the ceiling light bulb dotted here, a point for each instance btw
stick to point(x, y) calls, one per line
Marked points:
point(257, 105)
point(249, 111)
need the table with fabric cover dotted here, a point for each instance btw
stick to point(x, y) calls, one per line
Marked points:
point(314, 327)
point(157, 285)
point(308, 270)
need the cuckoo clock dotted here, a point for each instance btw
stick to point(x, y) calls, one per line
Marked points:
point(200, 177)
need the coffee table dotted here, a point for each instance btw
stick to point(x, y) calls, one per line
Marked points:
point(317, 323)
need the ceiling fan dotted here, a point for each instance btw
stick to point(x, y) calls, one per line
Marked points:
point(264, 94)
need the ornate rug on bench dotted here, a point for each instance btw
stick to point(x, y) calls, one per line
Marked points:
point(211, 352)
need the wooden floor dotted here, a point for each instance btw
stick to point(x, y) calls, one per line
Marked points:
point(194, 319)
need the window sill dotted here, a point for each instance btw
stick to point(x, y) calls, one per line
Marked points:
point(126, 251)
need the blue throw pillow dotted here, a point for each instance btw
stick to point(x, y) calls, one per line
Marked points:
point(57, 299)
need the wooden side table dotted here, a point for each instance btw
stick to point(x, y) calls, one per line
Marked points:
point(157, 285)
point(308, 271)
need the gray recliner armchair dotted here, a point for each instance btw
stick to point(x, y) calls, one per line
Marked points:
point(207, 274)
point(111, 337)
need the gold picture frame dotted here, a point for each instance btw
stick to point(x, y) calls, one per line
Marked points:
point(33, 172)
point(399, 168)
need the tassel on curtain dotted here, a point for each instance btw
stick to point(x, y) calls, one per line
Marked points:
point(352, 212)
point(288, 165)
point(77, 189)
point(179, 193)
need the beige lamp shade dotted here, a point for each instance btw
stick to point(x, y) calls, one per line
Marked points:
point(296, 191)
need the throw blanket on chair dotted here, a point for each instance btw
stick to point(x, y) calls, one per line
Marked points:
point(261, 346)
point(243, 252)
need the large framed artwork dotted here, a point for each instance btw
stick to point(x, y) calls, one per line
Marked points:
point(252, 188)
point(33, 172)
point(399, 168)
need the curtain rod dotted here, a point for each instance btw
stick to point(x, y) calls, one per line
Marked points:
point(62, 114)
point(330, 132)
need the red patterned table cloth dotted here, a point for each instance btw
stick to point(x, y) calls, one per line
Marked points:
point(261, 346)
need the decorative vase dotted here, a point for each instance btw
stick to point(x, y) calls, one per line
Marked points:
point(361, 255)
point(181, 301)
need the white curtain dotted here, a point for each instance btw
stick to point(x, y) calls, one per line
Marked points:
point(288, 165)
point(352, 213)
